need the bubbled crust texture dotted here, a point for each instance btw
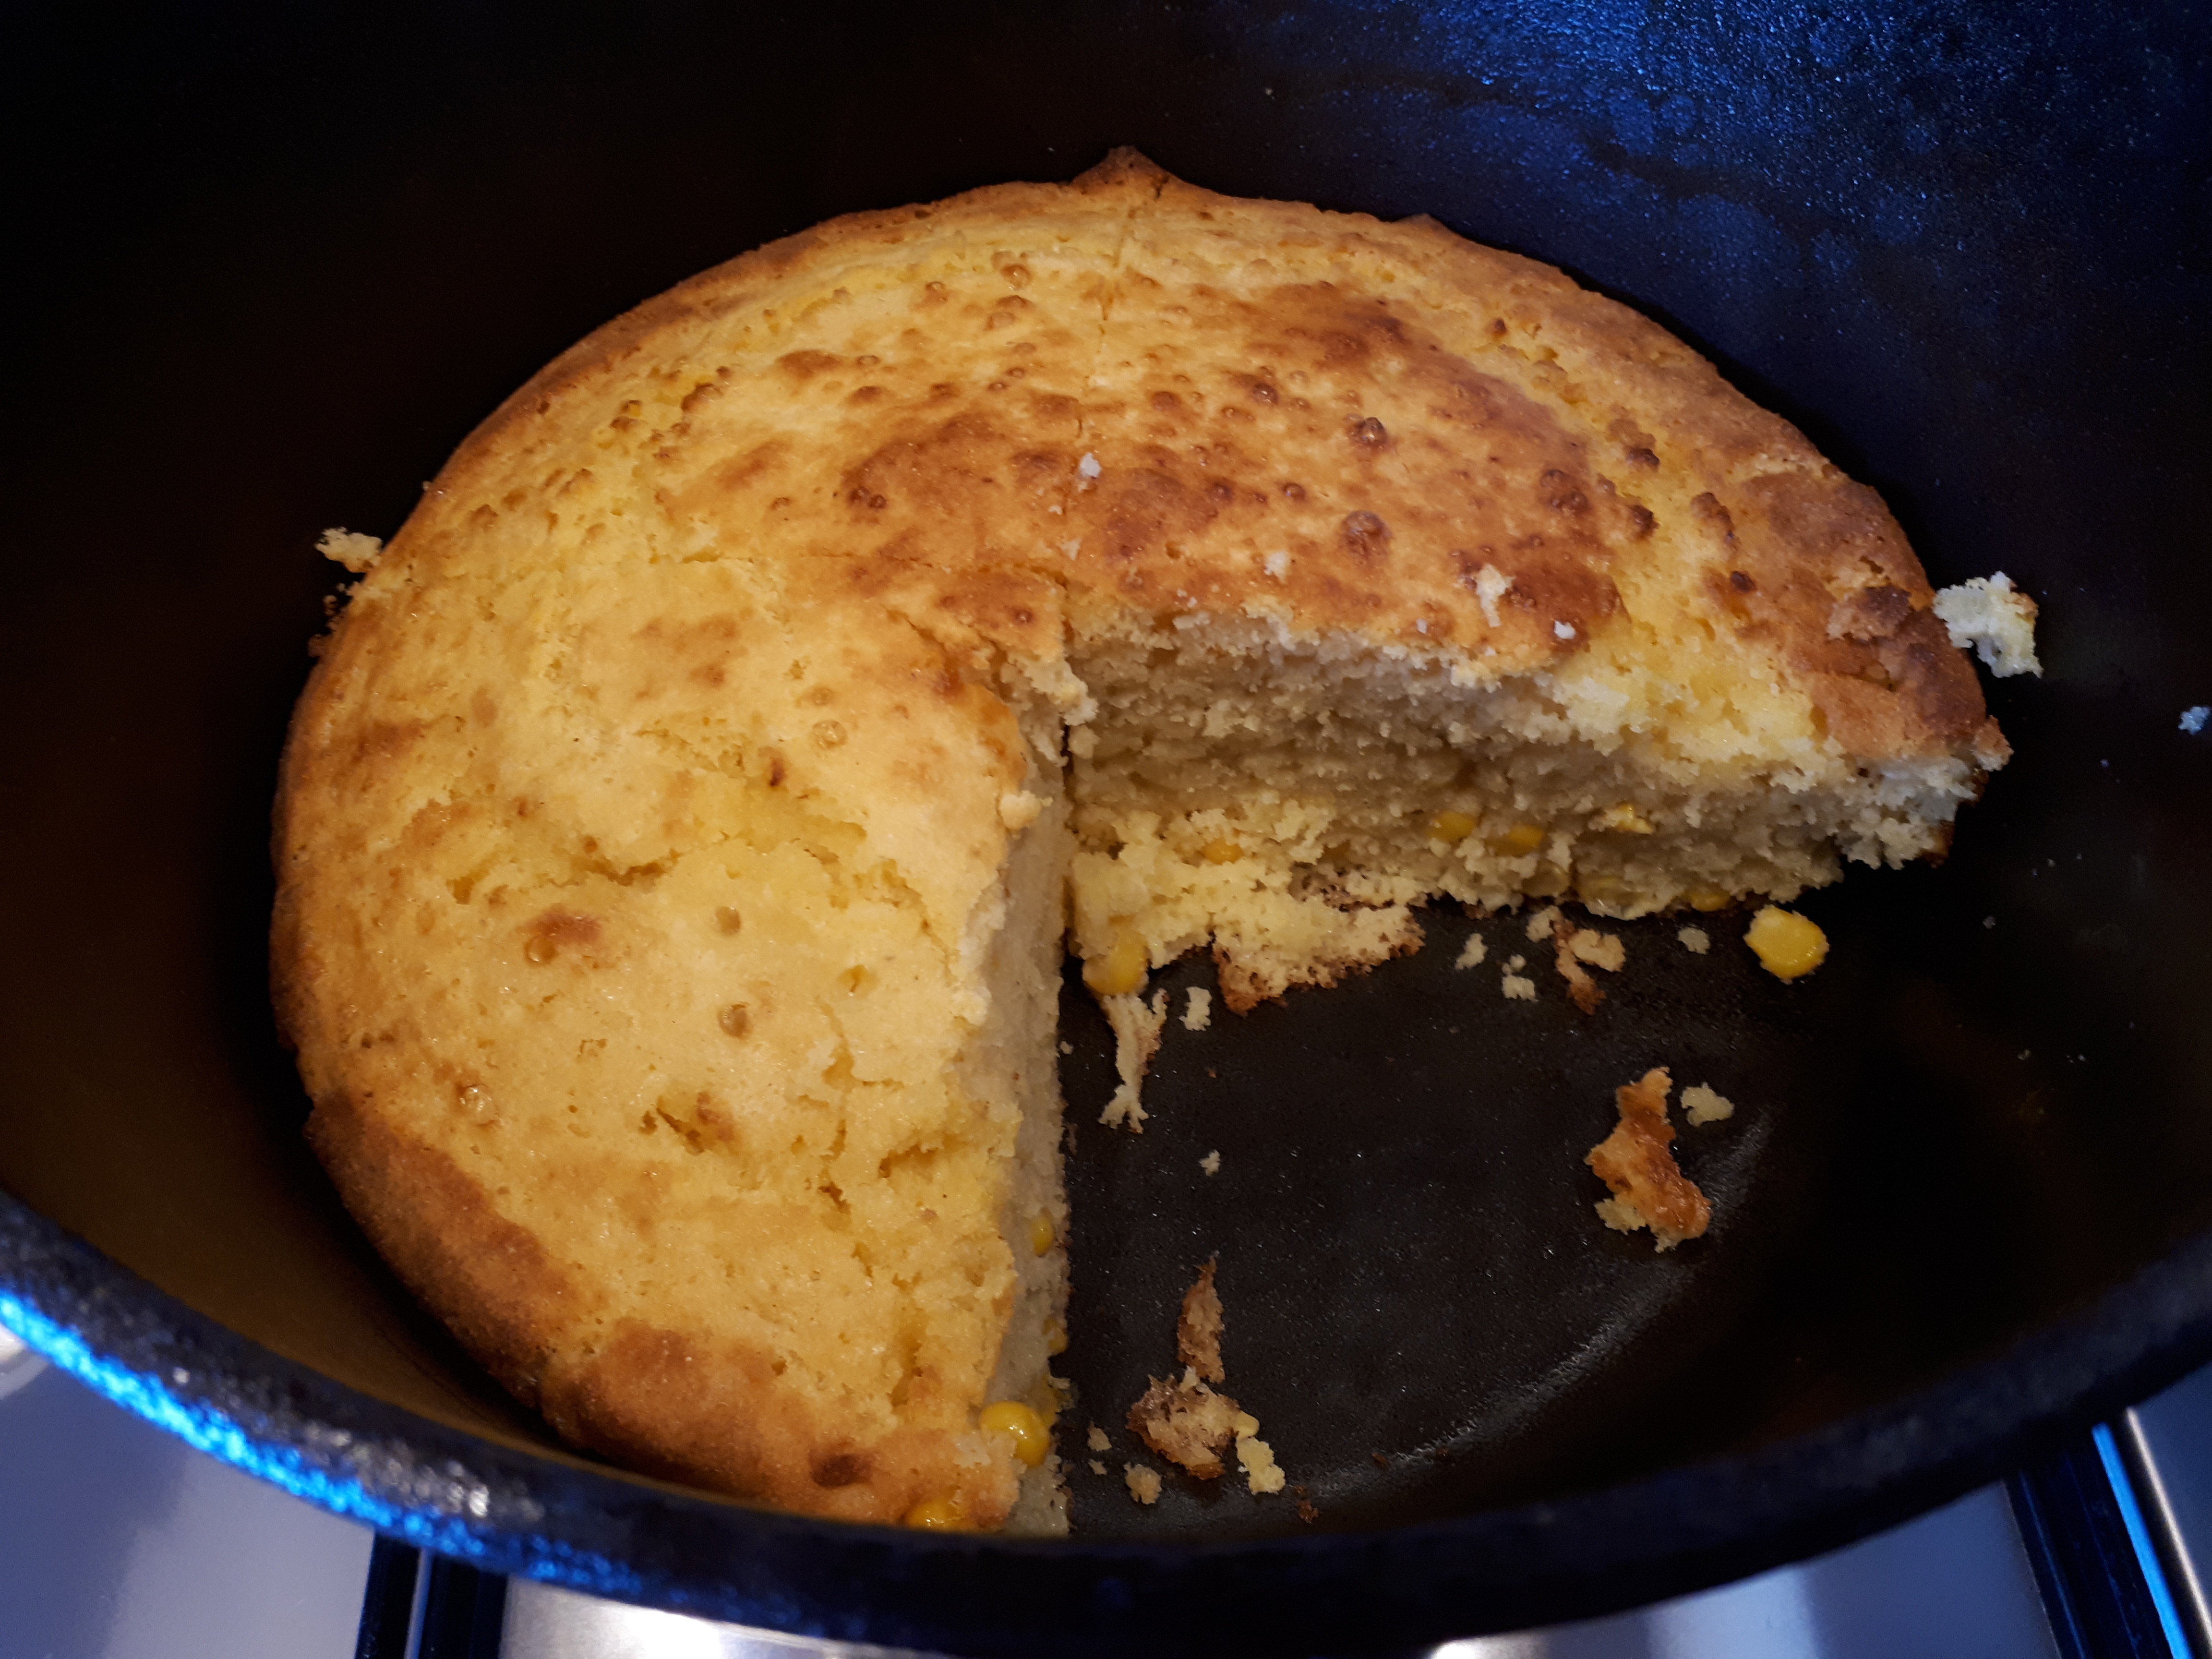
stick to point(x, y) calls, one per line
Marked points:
point(730, 613)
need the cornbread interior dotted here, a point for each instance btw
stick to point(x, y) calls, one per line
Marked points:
point(679, 835)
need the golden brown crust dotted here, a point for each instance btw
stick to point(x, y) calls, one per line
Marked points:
point(714, 1415)
point(491, 1281)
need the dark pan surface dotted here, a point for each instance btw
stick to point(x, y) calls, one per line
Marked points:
point(279, 267)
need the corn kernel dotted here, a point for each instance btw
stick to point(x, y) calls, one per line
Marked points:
point(1519, 841)
point(1549, 881)
point(1055, 1337)
point(946, 1514)
point(1706, 898)
point(1221, 851)
point(1122, 970)
point(1788, 945)
point(1626, 818)
point(1041, 1237)
point(1031, 1439)
point(1450, 827)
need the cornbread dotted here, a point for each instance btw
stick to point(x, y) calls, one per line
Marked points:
point(1702, 1103)
point(1636, 1161)
point(1995, 620)
point(679, 835)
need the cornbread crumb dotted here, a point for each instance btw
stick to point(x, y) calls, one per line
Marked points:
point(1199, 1013)
point(1143, 1484)
point(1307, 1512)
point(1262, 1473)
point(1473, 954)
point(1649, 1188)
point(1696, 941)
point(1541, 926)
point(1701, 1104)
point(1211, 1163)
point(1137, 1026)
point(1096, 1439)
point(1186, 1423)
point(1572, 946)
point(1518, 988)
point(1197, 1332)
point(1599, 950)
point(1515, 963)
point(1096, 1468)
point(357, 552)
point(1997, 619)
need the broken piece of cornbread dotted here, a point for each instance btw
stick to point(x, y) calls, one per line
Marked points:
point(1649, 1188)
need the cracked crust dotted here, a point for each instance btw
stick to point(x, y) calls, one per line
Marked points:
point(643, 826)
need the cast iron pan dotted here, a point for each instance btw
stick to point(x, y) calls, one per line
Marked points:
point(268, 272)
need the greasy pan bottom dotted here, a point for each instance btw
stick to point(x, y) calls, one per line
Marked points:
point(1962, 1203)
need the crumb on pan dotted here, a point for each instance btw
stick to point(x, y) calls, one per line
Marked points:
point(1185, 1422)
point(1199, 1013)
point(1696, 941)
point(1211, 1163)
point(1096, 1439)
point(1573, 946)
point(1517, 988)
point(1993, 617)
point(1472, 954)
point(1137, 1026)
point(1198, 1331)
point(1143, 1484)
point(1649, 1189)
point(1262, 1473)
point(1703, 1104)
point(1095, 1466)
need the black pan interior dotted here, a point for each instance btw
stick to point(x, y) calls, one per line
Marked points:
point(271, 266)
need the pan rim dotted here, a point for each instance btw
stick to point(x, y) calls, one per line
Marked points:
point(631, 1538)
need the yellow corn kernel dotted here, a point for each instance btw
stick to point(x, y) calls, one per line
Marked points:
point(1549, 881)
point(1055, 1337)
point(1450, 827)
point(1224, 851)
point(1626, 818)
point(1519, 841)
point(1594, 887)
point(1041, 1237)
point(946, 1514)
point(1789, 946)
point(1706, 898)
point(1122, 970)
point(1031, 1439)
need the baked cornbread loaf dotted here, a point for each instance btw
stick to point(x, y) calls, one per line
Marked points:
point(679, 835)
